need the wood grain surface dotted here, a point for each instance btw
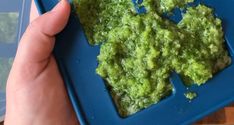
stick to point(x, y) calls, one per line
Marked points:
point(223, 116)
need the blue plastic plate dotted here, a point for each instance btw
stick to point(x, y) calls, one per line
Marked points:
point(92, 101)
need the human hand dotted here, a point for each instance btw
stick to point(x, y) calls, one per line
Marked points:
point(35, 90)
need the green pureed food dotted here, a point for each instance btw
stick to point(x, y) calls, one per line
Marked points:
point(190, 95)
point(140, 51)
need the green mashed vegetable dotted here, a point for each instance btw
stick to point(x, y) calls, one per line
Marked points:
point(190, 95)
point(140, 51)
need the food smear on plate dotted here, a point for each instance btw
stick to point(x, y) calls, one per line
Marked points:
point(190, 95)
point(139, 51)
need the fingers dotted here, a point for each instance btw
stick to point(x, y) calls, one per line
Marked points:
point(38, 41)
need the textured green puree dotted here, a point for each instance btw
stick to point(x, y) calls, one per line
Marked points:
point(140, 51)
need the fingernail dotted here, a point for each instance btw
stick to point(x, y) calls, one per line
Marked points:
point(60, 3)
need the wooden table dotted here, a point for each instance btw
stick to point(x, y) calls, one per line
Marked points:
point(223, 116)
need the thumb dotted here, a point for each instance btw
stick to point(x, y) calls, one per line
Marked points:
point(38, 41)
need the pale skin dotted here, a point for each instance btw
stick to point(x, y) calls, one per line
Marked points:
point(35, 90)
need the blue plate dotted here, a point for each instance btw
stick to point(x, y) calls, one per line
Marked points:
point(92, 102)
